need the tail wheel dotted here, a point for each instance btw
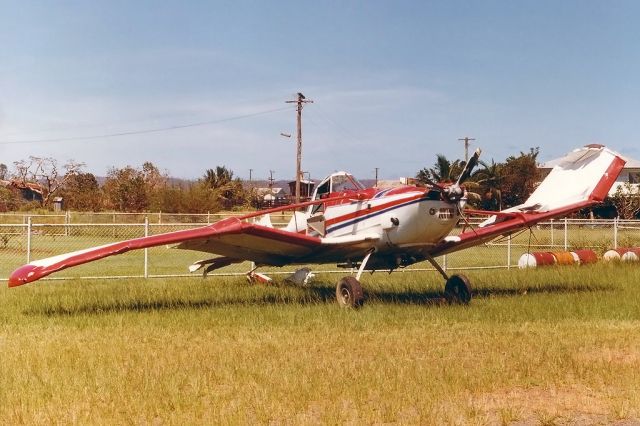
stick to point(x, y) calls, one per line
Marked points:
point(349, 293)
point(458, 289)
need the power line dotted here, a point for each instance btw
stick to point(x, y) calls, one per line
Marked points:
point(146, 131)
point(344, 130)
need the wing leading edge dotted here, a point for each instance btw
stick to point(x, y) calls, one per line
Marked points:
point(244, 234)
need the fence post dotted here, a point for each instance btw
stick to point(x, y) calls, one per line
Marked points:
point(208, 219)
point(146, 250)
point(509, 252)
point(444, 263)
point(160, 218)
point(553, 243)
point(615, 232)
point(565, 234)
point(66, 222)
point(29, 239)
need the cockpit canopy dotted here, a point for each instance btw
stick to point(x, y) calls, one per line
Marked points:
point(337, 182)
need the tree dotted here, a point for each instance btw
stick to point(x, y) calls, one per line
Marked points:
point(442, 171)
point(626, 200)
point(153, 178)
point(125, 190)
point(4, 173)
point(82, 192)
point(9, 200)
point(228, 191)
point(155, 184)
point(217, 178)
point(489, 181)
point(46, 172)
point(519, 177)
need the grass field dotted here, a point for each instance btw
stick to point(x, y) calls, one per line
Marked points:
point(545, 346)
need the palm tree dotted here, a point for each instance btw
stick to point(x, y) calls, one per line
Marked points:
point(489, 179)
point(442, 171)
point(217, 178)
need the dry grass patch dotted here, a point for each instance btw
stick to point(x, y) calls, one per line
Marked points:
point(553, 405)
point(625, 355)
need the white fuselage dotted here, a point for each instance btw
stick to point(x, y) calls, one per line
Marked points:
point(402, 220)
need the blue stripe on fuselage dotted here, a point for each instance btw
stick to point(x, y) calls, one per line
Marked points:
point(382, 193)
point(361, 218)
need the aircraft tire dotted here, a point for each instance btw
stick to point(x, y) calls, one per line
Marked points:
point(458, 290)
point(349, 293)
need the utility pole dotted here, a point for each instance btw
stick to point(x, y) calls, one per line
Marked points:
point(466, 140)
point(301, 100)
point(250, 171)
point(271, 179)
point(377, 176)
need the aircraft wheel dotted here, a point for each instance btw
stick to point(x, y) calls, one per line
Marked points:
point(458, 289)
point(349, 293)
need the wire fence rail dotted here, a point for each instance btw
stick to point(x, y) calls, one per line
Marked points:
point(70, 217)
point(33, 237)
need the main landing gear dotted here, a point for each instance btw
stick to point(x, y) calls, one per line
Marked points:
point(349, 292)
point(457, 288)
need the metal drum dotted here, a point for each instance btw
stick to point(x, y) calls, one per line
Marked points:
point(586, 256)
point(537, 258)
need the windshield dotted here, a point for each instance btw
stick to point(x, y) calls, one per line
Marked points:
point(337, 182)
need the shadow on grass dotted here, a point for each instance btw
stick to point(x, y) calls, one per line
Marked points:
point(316, 295)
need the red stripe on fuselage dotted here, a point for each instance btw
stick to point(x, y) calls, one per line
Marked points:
point(367, 211)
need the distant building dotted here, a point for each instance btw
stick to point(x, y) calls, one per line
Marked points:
point(58, 204)
point(270, 197)
point(29, 191)
point(306, 189)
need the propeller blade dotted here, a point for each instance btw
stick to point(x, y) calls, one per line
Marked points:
point(434, 184)
point(455, 192)
point(468, 168)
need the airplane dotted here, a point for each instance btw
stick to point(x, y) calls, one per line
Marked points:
point(369, 228)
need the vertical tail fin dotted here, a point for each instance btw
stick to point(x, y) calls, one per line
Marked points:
point(582, 176)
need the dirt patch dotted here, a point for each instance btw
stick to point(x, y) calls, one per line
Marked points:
point(576, 405)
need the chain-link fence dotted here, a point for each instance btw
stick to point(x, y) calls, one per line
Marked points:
point(36, 237)
point(159, 218)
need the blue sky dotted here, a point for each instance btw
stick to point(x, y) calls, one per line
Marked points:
point(393, 83)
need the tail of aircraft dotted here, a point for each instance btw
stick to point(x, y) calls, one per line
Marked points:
point(585, 174)
point(580, 179)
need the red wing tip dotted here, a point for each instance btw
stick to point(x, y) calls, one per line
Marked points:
point(24, 275)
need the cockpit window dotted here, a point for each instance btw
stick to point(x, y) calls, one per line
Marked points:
point(342, 183)
point(337, 182)
point(322, 189)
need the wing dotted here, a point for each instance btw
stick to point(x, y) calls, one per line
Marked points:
point(233, 238)
point(583, 178)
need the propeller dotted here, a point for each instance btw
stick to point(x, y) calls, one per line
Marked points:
point(454, 192)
